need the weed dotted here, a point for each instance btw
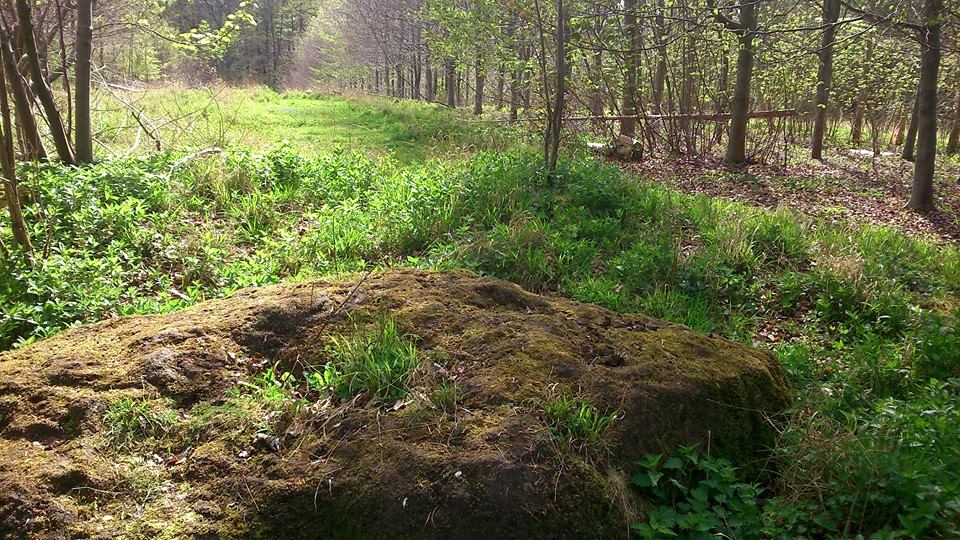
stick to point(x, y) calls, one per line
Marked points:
point(447, 396)
point(128, 421)
point(378, 363)
point(697, 497)
point(271, 386)
point(577, 422)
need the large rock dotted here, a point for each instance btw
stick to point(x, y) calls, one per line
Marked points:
point(490, 469)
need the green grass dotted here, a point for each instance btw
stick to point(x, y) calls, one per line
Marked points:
point(128, 422)
point(864, 319)
point(378, 362)
point(447, 395)
point(577, 422)
point(258, 118)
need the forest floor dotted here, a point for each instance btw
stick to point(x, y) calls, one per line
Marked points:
point(859, 300)
point(847, 185)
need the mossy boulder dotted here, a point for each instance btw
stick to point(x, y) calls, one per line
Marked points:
point(488, 468)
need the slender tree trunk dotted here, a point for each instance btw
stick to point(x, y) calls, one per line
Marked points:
point(501, 87)
point(596, 93)
point(43, 92)
point(514, 95)
point(921, 197)
point(556, 126)
point(21, 234)
point(27, 123)
point(953, 143)
point(660, 76)
point(481, 81)
point(856, 128)
point(401, 86)
point(628, 124)
point(450, 83)
point(688, 89)
point(417, 81)
point(84, 130)
point(737, 143)
point(910, 143)
point(860, 105)
point(723, 93)
point(831, 14)
point(431, 89)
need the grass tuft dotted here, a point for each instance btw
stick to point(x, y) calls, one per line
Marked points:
point(378, 363)
point(577, 422)
point(129, 422)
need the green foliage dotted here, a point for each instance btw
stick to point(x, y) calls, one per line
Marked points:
point(128, 422)
point(861, 315)
point(938, 348)
point(887, 473)
point(697, 497)
point(577, 422)
point(379, 363)
point(271, 387)
point(212, 44)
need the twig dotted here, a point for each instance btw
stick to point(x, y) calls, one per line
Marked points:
point(353, 291)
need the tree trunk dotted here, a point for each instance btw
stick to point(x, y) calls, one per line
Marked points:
point(660, 76)
point(27, 123)
point(401, 82)
point(724, 92)
point(450, 84)
point(596, 93)
point(481, 81)
point(556, 125)
point(953, 143)
point(84, 131)
point(737, 142)
point(628, 126)
point(856, 128)
point(501, 87)
point(417, 80)
point(831, 14)
point(688, 90)
point(21, 234)
point(921, 197)
point(514, 95)
point(431, 89)
point(43, 92)
point(910, 143)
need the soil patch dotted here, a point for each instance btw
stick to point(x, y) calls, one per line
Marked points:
point(848, 186)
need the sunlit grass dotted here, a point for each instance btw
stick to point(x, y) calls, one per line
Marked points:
point(258, 118)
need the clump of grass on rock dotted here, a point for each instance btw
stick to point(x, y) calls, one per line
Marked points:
point(377, 362)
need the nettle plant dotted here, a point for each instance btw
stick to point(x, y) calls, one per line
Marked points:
point(696, 497)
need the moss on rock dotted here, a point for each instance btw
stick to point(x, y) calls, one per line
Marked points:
point(489, 468)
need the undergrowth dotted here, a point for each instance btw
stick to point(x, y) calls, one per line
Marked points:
point(863, 318)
